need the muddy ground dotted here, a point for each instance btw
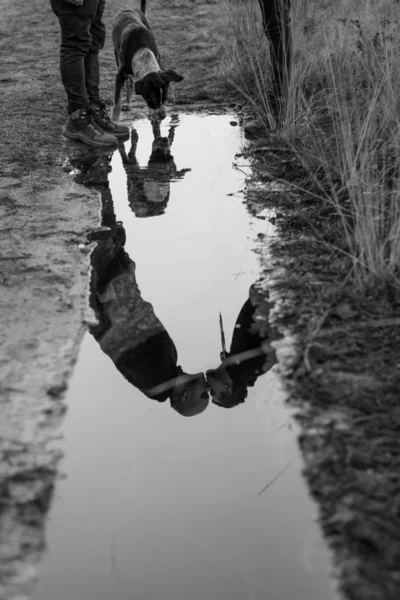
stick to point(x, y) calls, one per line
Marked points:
point(339, 356)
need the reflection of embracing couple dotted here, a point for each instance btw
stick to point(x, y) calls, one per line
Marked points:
point(133, 337)
point(128, 330)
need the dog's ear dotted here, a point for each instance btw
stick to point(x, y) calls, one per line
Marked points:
point(139, 87)
point(171, 75)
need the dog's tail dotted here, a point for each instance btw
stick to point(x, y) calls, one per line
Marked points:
point(143, 6)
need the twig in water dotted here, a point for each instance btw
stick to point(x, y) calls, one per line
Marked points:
point(221, 327)
point(237, 168)
point(275, 478)
point(243, 257)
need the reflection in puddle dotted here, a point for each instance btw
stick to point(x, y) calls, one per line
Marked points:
point(149, 187)
point(155, 505)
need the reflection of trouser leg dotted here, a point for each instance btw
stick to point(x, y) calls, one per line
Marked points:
point(276, 22)
point(76, 41)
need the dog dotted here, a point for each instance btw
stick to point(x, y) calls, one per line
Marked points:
point(138, 63)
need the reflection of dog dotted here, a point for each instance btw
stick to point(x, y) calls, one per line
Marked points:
point(149, 187)
point(138, 61)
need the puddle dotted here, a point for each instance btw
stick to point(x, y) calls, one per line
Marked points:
point(154, 504)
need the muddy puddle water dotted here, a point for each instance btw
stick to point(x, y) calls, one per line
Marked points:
point(156, 505)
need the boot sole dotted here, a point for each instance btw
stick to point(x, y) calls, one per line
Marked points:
point(117, 135)
point(121, 135)
point(82, 138)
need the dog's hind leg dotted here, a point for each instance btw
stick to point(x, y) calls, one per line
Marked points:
point(119, 84)
point(129, 91)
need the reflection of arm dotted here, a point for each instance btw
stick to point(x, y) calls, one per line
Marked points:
point(150, 363)
point(171, 135)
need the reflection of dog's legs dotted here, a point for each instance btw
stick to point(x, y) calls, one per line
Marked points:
point(130, 158)
point(129, 91)
point(156, 129)
point(132, 151)
point(173, 125)
point(171, 135)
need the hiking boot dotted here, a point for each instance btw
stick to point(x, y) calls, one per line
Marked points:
point(100, 116)
point(81, 128)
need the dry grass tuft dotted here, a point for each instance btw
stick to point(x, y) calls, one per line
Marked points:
point(342, 117)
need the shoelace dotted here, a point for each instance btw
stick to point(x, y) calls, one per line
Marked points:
point(103, 110)
point(86, 116)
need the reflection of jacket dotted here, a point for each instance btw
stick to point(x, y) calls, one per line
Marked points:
point(128, 331)
point(246, 338)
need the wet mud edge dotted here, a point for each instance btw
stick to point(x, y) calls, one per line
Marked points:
point(45, 269)
point(338, 357)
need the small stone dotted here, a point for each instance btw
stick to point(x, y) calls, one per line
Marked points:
point(233, 123)
point(254, 128)
point(344, 311)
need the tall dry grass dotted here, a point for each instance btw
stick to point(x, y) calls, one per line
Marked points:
point(342, 116)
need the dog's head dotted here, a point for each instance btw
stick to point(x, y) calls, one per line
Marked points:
point(154, 89)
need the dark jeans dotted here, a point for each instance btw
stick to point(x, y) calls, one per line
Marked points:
point(82, 36)
point(276, 22)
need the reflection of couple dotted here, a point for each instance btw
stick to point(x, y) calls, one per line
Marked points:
point(128, 330)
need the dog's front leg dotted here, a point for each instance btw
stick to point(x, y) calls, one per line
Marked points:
point(129, 91)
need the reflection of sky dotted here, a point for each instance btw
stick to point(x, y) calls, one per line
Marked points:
point(156, 505)
point(195, 260)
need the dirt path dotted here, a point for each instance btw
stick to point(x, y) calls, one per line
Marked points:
point(44, 261)
point(341, 356)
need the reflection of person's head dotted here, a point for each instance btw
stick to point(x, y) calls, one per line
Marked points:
point(148, 197)
point(156, 191)
point(160, 151)
point(91, 166)
point(190, 398)
point(226, 392)
point(149, 189)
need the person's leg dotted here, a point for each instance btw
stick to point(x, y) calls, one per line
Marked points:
point(92, 67)
point(276, 23)
point(76, 41)
point(92, 74)
point(75, 22)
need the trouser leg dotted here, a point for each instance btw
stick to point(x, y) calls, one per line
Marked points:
point(276, 23)
point(76, 42)
point(92, 67)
